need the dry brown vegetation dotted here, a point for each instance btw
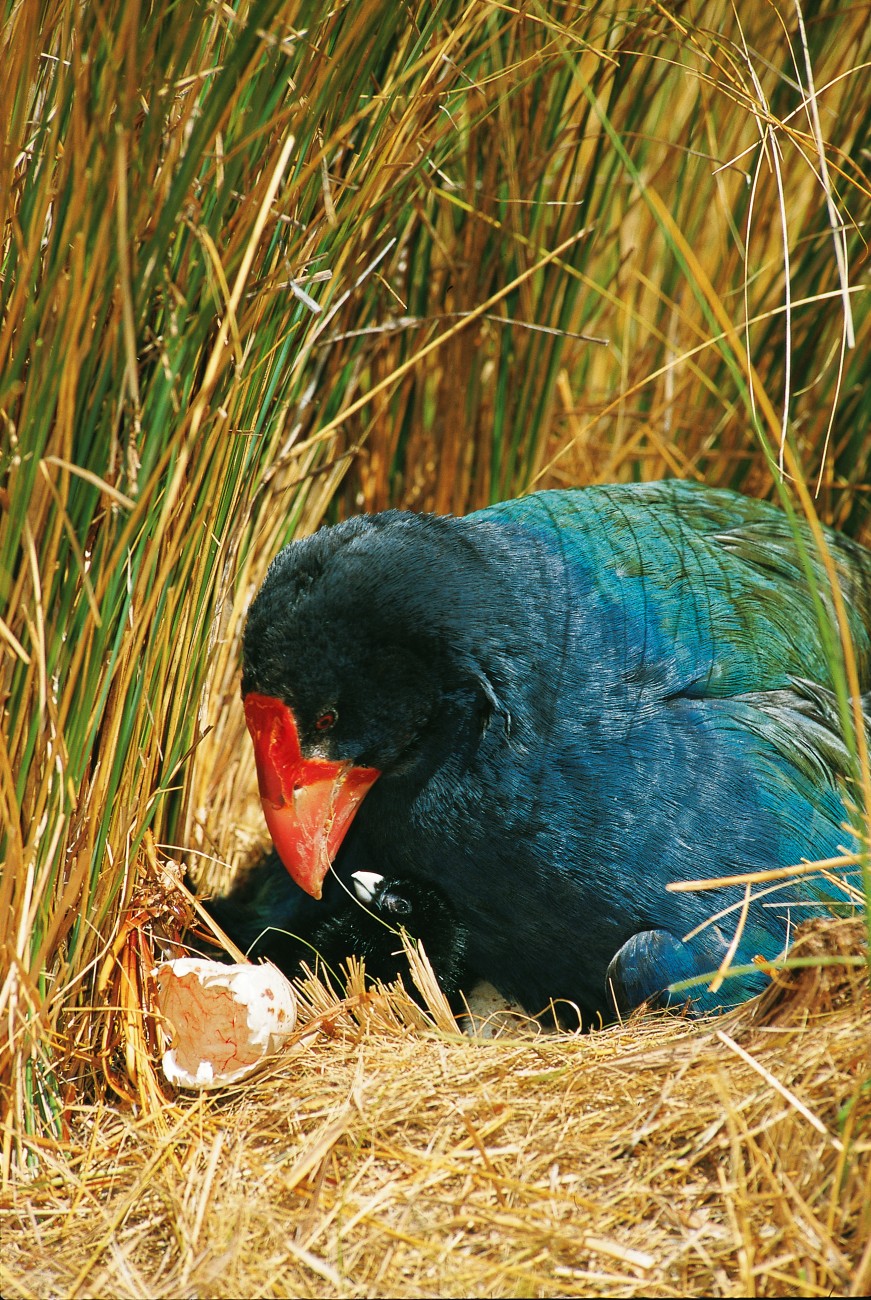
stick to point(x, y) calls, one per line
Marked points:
point(663, 1157)
point(268, 262)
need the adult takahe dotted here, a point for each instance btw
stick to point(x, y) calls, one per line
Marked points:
point(552, 708)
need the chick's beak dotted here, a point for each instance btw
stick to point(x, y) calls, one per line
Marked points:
point(366, 884)
point(308, 803)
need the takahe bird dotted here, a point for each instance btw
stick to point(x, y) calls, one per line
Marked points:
point(552, 708)
point(371, 931)
point(362, 921)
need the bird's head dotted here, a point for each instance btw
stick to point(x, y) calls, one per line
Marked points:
point(406, 902)
point(348, 660)
point(425, 914)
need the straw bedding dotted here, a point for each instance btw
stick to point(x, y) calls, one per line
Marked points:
point(386, 1155)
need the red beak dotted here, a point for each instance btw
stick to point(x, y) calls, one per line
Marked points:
point(309, 803)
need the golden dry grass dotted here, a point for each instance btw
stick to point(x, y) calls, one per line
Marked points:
point(662, 1157)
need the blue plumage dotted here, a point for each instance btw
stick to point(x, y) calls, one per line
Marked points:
point(554, 707)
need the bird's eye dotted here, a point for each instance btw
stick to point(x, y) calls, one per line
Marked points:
point(395, 903)
point(327, 719)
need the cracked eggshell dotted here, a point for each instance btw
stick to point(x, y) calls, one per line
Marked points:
point(223, 1021)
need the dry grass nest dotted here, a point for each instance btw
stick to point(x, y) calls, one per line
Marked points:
point(389, 1155)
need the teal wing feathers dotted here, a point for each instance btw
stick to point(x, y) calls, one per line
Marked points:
point(716, 585)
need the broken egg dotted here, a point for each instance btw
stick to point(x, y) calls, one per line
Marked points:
point(223, 1021)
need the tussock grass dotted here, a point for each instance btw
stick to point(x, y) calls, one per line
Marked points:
point(268, 263)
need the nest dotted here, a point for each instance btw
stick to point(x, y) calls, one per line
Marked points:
point(389, 1154)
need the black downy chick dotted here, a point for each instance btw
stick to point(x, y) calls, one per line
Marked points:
point(268, 916)
point(371, 931)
